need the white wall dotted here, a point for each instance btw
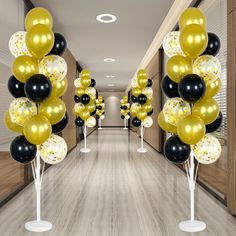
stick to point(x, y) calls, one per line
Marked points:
point(112, 108)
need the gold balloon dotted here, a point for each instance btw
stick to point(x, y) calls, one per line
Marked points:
point(38, 15)
point(212, 88)
point(164, 125)
point(90, 106)
point(193, 40)
point(85, 74)
point(85, 81)
point(207, 109)
point(141, 114)
point(191, 129)
point(11, 125)
point(100, 99)
point(147, 107)
point(79, 91)
point(78, 108)
point(37, 129)
point(148, 92)
point(191, 16)
point(85, 114)
point(142, 74)
point(136, 91)
point(177, 67)
point(54, 109)
point(59, 88)
point(39, 40)
point(125, 98)
point(23, 67)
point(135, 107)
point(142, 81)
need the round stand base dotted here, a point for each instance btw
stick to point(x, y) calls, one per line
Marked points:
point(125, 128)
point(38, 226)
point(192, 226)
point(85, 150)
point(142, 150)
point(100, 128)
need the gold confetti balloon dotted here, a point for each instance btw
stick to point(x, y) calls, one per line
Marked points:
point(171, 44)
point(53, 150)
point(78, 108)
point(148, 92)
point(135, 107)
point(77, 83)
point(91, 92)
point(22, 109)
point(11, 125)
point(175, 109)
point(17, 44)
point(164, 125)
point(54, 67)
point(148, 121)
point(207, 150)
point(90, 122)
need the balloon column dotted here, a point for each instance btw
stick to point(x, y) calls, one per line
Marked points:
point(191, 113)
point(85, 108)
point(37, 112)
point(125, 110)
point(141, 109)
point(100, 110)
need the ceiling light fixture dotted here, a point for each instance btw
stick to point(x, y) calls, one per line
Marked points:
point(110, 76)
point(106, 18)
point(109, 60)
point(110, 85)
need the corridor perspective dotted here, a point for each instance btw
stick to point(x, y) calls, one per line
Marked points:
point(113, 190)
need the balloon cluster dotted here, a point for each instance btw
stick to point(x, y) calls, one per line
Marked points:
point(100, 108)
point(37, 82)
point(125, 108)
point(85, 96)
point(192, 80)
point(142, 95)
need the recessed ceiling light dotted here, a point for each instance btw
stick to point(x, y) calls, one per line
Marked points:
point(110, 85)
point(106, 18)
point(109, 60)
point(110, 76)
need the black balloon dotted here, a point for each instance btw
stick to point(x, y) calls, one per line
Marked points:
point(122, 117)
point(93, 83)
point(175, 150)
point(215, 124)
point(149, 84)
point(191, 88)
point(15, 87)
point(133, 98)
point(97, 117)
point(22, 151)
point(169, 87)
point(136, 122)
point(38, 87)
point(93, 113)
point(79, 122)
point(125, 107)
point(99, 107)
point(213, 45)
point(150, 112)
point(58, 127)
point(59, 44)
point(142, 99)
point(85, 99)
point(76, 98)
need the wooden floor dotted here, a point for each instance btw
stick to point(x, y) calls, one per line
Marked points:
point(115, 191)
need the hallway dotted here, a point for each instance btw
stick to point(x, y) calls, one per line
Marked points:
point(114, 191)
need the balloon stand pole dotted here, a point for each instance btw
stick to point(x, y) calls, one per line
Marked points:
point(99, 124)
point(85, 149)
point(141, 149)
point(125, 128)
point(38, 225)
point(192, 225)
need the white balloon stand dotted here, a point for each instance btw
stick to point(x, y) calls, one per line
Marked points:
point(38, 225)
point(125, 128)
point(141, 149)
point(85, 149)
point(192, 225)
point(99, 123)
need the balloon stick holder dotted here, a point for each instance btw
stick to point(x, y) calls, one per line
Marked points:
point(85, 149)
point(99, 123)
point(192, 225)
point(125, 128)
point(141, 149)
point(38, 225)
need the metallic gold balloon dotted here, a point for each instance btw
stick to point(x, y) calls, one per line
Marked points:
point(142, 74)
point(85, 74)
point(164, 125)
point(136, 91)
point(11, 125)
point(147, 106)
point(54, 109)
point(142, 82)
point(23, 67)
point(100, 99)
point(191, 16)
point(38, 15)
point(125, 98)
point(90, 106)
point(212, 88)
point(22, 109)
point(177, 67)
point(191, 129)
point(175, 109)
point(79, 91)
point(37, 129)
point(193, 40)
point(59, 88)
point(207, 109)
point(85, 114)
point(135, 107)
point(39, 40)
point(141, 114)
point(85, 81)
point(78, 108)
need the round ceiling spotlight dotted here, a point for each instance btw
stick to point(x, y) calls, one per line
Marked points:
point(106, 18)
point(110, 85)
point(109, 60)
point(110, 76)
